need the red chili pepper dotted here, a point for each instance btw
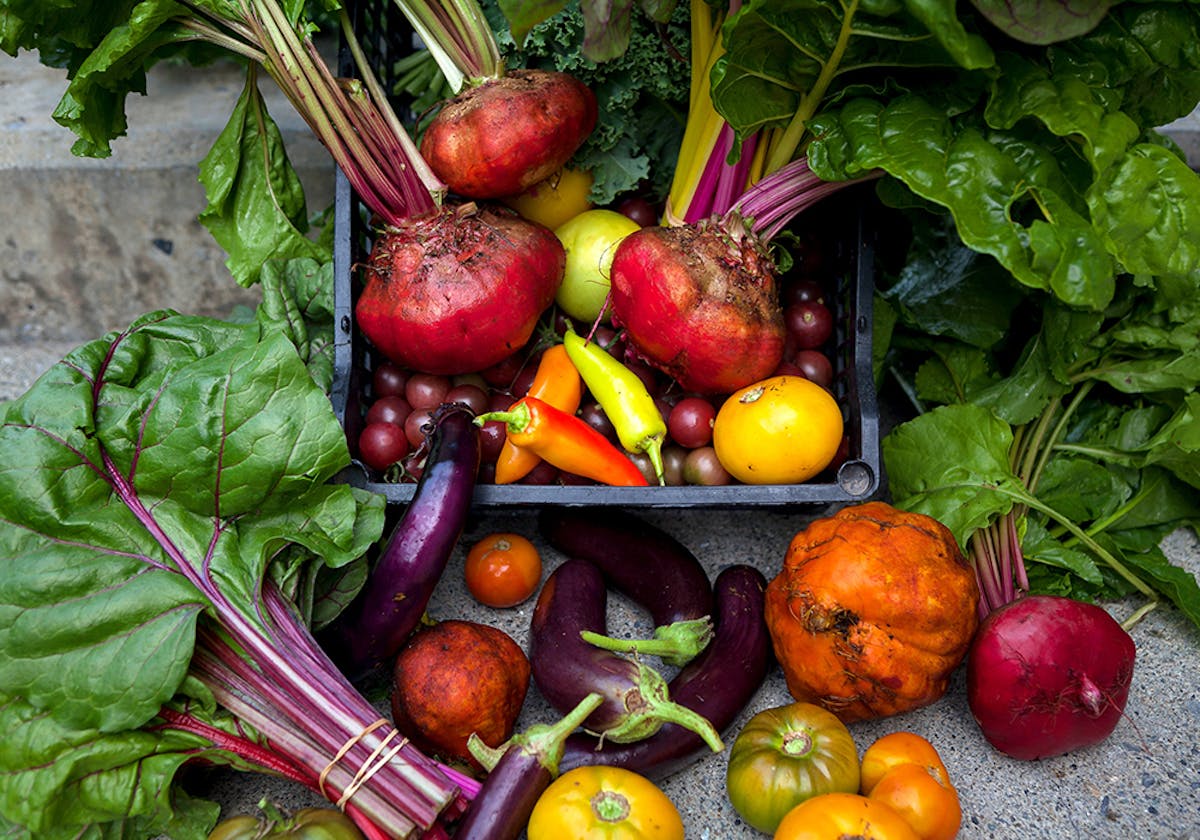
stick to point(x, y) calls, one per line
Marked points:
point(556, 382)
point(567, 442)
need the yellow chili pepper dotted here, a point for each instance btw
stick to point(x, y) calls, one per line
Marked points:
point(623, 396)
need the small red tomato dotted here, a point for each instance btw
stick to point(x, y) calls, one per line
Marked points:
point(382, 444)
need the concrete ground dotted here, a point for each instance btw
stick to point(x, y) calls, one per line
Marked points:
point(85, 246)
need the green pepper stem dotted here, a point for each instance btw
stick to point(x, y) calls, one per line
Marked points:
point(516, 418)
point(652, 446)
point(676, 643)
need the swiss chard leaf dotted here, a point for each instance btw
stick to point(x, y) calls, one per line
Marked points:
point(1043, 23)
point(782, 58)
point(608, 24)
point(1052, 169)
point(297, 296)
point(60, 779)
point(947, 289)
point(132, 38)
point(988, 188)
point(217, 428)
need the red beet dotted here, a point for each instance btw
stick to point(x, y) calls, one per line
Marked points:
point(510, 132)
point(700, 303)
point(459, 291)
point(1047, 675)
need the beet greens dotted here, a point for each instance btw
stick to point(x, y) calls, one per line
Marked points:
point(256, 207)
point(160, 485)
point(1059, 446)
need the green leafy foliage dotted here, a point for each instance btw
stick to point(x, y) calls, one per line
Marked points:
point(151, 468)
point(1083, 426)
point(607, 26)
point(1043, 23)
point(1045, 158)
point(256, 206)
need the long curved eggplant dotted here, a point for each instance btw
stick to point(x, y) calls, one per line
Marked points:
point(718, 684)
point(566, 668)
point(647, 565)
point(387, 610)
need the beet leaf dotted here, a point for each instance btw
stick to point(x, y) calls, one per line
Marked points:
point(1060, 450)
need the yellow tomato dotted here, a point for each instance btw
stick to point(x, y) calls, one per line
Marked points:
point(556, 199)
point(782, 430)
point(928, 803)
point(604, 803)
point(835, 816)
point(898, 748)
point(590, 240)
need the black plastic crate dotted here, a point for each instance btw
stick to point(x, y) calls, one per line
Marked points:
point(386, 36)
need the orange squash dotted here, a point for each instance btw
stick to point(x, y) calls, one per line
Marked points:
point(872, 611)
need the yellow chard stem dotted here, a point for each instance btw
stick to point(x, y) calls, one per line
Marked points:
point(704, 123)
point(785, 150)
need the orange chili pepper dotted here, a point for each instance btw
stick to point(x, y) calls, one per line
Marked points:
point(556, 382)
point(566, 442)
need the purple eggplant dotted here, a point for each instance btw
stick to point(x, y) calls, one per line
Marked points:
point(718, 684)
point(519, 771)
point(645, 564)
point(402, 579)
point(566, 668)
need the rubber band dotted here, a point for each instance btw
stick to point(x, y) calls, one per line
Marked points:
point(367, 770)
point(346, 747)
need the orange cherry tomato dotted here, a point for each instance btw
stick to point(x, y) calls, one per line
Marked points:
point(924, 798)
point(835, 816)
point(898, 748)
point(782, 430)
point(502, 570)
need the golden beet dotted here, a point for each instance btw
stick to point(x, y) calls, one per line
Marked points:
point(455, 678)
point(872, 611)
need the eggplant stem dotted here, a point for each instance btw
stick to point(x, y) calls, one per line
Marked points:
point(676, 643)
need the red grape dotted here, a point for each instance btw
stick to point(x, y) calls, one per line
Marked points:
point(492, 436)
point(501, 374)
point(815, 367)
point(701, 466)
point(414, 425)
point(639, 210)
point(803, 290)
point(673, 457)
point(472, 396)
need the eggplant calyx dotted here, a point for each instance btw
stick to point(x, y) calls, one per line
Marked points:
point(544, 742)
point(677, 643)
point(650, 706)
